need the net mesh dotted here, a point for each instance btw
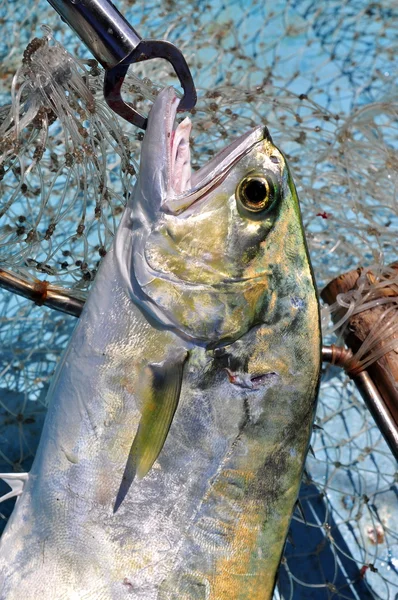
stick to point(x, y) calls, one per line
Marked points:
point(322, 77)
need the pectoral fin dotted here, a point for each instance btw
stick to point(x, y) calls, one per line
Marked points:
point(160, 391)
point(164, 386)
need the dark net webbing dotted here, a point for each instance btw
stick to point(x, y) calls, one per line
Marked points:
point(322, 76)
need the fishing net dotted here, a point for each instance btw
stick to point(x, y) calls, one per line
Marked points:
point(322, 77)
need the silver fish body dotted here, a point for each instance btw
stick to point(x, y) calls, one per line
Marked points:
point(181, 412)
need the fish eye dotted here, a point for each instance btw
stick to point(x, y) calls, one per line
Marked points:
point(256, 192)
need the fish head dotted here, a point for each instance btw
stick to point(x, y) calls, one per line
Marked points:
point(209, 245)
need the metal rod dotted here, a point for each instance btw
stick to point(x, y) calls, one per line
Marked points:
point(42, 293)
point(101, 27)
point(374, 401)
point(378, 409)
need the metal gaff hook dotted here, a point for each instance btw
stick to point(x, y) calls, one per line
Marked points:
point(116, 45)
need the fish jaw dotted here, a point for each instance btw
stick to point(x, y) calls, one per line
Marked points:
point(166, 182)
point(160, 195)
point(204, 267)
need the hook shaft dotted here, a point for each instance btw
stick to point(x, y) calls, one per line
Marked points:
point(116, 45)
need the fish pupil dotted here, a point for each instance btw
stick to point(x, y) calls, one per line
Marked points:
point(256, 191)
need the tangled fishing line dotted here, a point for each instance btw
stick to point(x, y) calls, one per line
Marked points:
point(323, 80)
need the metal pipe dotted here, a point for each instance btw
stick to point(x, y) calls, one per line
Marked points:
point(101, 27)
point(378, 409)
point(42, 293)
point(374, 401)
point(336, 355)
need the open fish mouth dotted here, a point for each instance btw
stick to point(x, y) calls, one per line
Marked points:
point(185, 186)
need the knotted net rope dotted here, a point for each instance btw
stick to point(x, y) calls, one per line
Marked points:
point(322, 77)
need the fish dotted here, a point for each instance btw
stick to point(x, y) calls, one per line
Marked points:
point(181, 412)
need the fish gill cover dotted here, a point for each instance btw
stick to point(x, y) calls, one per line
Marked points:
point(323, 78)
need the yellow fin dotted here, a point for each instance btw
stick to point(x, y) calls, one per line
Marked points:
point(160, 403)
point(160, 392)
